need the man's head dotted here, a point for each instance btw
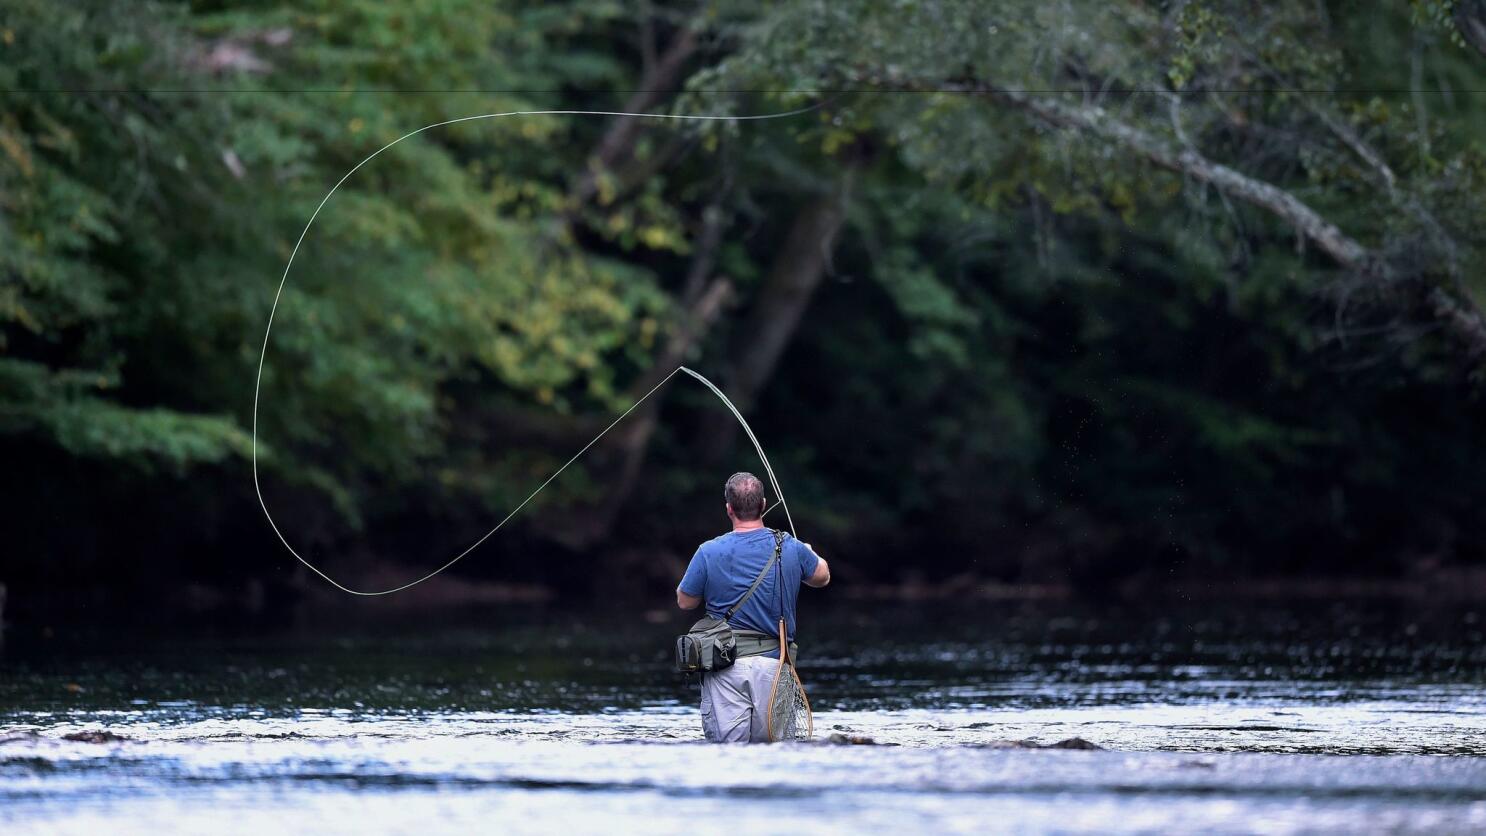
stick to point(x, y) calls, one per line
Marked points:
point(745, 497)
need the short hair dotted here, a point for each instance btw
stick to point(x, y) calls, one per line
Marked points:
point(745, 493)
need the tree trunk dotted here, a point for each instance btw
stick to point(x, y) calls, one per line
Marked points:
point(625, 454)
point(797, 272)
point(798, 269)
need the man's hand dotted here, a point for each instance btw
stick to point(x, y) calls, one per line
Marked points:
point(687, 602)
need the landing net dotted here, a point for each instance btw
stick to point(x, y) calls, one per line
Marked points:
point(789, 709)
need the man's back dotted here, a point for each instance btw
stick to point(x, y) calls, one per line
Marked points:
point(724, 567)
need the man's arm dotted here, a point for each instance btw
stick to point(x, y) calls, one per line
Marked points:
point(695, 578)
point(822, 574)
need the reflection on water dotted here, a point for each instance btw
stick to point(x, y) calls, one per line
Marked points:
point(550, 721)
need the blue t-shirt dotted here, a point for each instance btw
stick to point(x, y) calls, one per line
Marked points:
point(724, 567)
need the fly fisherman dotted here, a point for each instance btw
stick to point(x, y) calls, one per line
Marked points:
point(729, 569)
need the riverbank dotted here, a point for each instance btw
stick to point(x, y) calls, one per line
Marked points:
point(257, 600)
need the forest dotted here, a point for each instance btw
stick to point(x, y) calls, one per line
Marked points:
point(1080, 298)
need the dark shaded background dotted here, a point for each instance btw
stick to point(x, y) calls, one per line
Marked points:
point(998, 343)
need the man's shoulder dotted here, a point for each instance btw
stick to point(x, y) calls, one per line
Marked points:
point(730, 541)
point(714, 544)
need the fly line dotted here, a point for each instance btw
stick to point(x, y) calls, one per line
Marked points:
point(283, 281)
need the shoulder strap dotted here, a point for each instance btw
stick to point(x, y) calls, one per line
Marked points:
point(778, 546)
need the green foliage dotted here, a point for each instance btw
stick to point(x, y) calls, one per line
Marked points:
point(1438, 14)
point(1032, 341)
point(145, 230)
point(1141, 271)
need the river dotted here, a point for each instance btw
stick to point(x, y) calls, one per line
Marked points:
point(1216, 719)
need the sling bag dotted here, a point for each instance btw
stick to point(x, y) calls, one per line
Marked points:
point(710, 645)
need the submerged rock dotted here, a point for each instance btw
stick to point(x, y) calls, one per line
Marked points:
point(95, 736)
point(1067, 743)
point(1072, 743)
point(839, 739)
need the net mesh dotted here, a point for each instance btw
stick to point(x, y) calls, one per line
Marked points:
point(789, 710)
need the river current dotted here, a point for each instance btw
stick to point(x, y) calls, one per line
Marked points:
point(994, 719)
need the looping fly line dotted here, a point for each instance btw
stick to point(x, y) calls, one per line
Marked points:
point(268, 331)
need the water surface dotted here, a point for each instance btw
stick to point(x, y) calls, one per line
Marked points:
point(1268, 720)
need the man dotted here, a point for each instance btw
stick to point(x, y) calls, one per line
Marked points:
point(735, 699)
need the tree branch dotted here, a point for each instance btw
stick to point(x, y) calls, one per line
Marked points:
point(619, 141)
point(1408, 202)
point(1349, 138)
point(1470, 19)
point(1462, 318)
point(1342, 248)
point(1456, 310)
point(713, 221)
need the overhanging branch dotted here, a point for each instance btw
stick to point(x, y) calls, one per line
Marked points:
point(1457, 312)
point(1328, 237)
